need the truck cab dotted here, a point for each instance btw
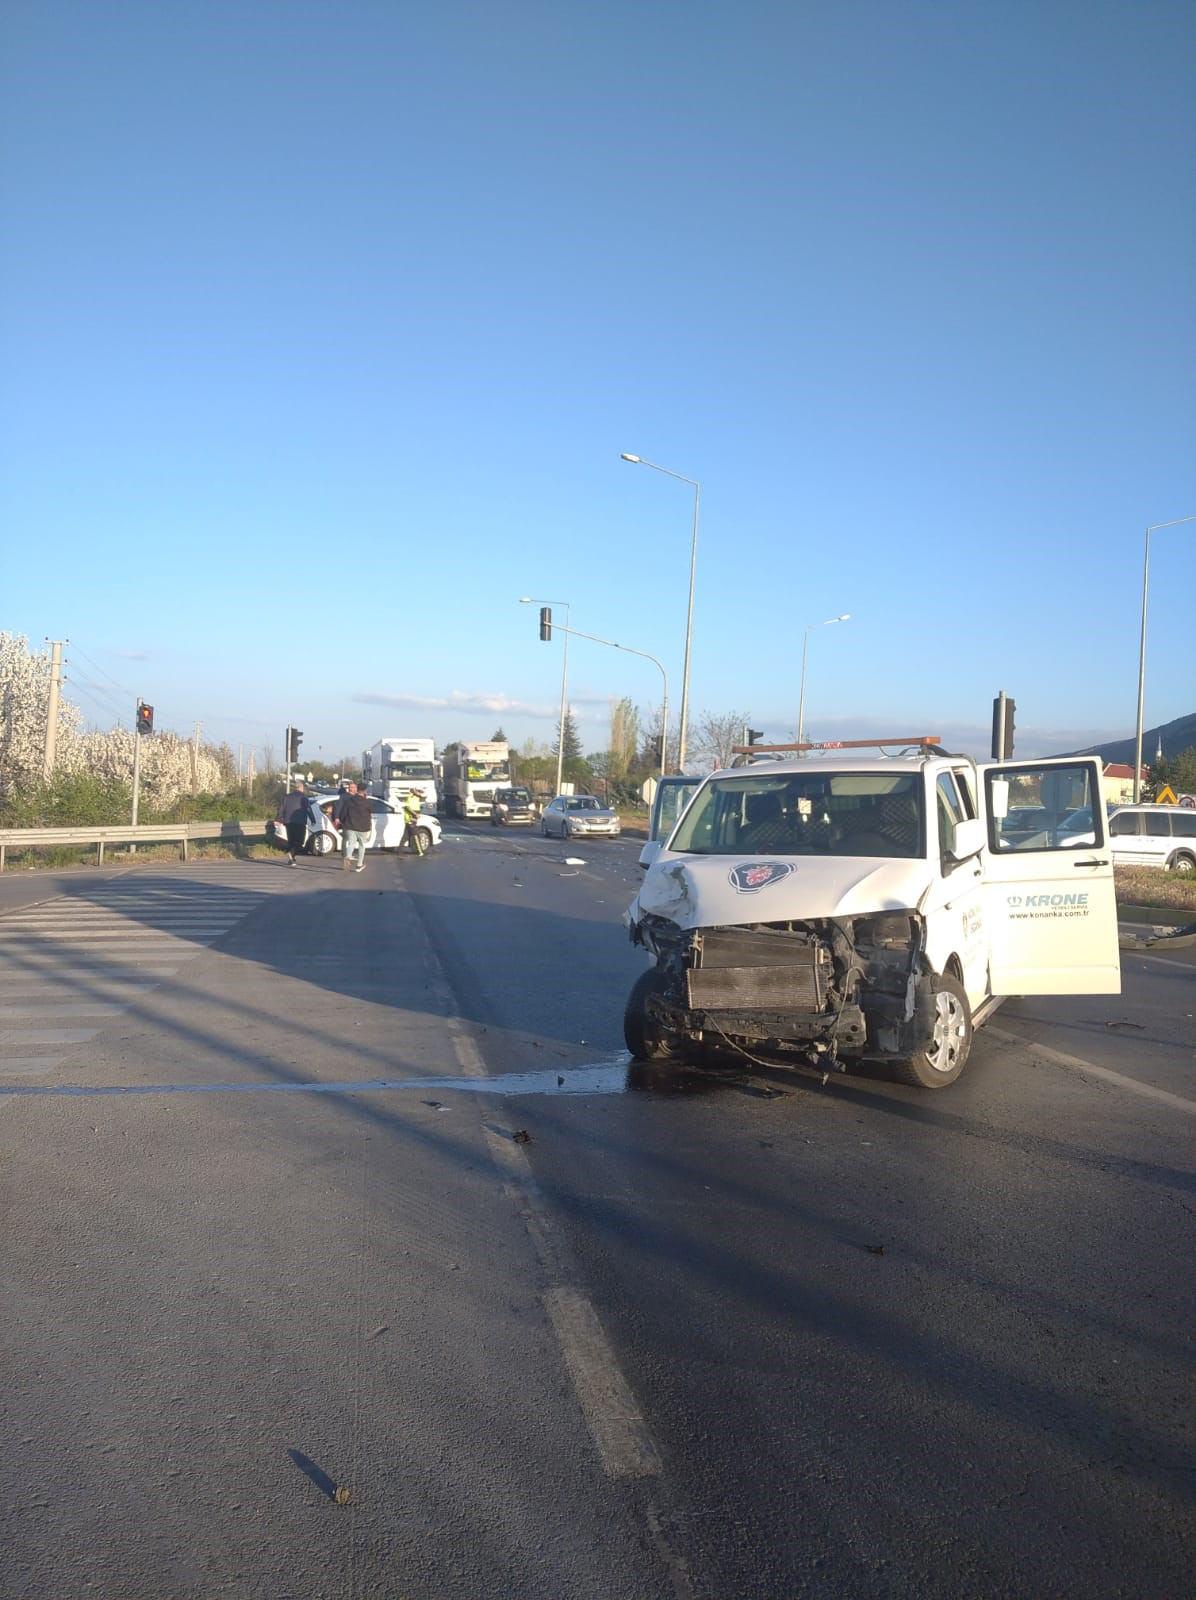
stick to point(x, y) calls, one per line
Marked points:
point(848, 907)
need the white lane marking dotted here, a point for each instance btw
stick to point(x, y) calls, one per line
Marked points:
point(51, 1035)
point(1076, 1064)
point(1163, 961)
point(612, 1414)
point(33, 1008)
point(615, 1419)
point(133, 931)
point(26, 1066)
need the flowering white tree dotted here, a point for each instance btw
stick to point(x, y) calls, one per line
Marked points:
point(24, 701)
point(170, 766)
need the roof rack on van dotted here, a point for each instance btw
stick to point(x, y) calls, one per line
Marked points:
point(924, 740)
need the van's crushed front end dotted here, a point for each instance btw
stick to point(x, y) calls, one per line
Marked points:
point(784, 914)
point(849, 986)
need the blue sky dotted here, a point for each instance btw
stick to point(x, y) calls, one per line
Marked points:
point(324, 327)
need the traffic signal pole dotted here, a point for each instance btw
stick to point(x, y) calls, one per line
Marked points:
point(286, 744)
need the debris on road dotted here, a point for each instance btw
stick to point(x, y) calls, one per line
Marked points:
point(574, 861)
point(343, 1494)
point(521, 1136)
point(376, 1333)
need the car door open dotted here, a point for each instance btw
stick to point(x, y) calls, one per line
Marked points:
point(1049, 900)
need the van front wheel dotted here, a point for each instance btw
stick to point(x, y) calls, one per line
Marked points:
point(946, 1055)
point(644, 1035)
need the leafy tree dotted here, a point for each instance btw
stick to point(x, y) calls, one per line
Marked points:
point(572, 741)
point(624, 738)
point(716, 734)
point(1177, 772)
point(498, 735)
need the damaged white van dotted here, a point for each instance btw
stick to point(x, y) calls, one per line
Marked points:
point(849, 907)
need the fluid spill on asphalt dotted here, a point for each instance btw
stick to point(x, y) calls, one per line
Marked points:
point(617, 1074)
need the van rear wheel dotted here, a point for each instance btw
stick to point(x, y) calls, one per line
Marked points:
point(946, 1055)
point(1182, 862)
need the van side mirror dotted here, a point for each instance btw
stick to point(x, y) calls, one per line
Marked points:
point(998, 801)
point(649, 854)
point(969, 839)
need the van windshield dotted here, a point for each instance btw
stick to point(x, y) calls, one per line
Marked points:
point(806, 814)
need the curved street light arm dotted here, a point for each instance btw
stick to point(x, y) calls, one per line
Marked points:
point(632, 651)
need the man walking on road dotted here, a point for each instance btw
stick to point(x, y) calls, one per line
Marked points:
point(296, 816)
point(356, 820)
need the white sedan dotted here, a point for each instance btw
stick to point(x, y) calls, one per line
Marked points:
point(387, 832)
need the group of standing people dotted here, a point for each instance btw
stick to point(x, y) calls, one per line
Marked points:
point(352, 815)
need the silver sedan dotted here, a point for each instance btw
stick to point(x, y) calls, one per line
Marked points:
point(573, 816)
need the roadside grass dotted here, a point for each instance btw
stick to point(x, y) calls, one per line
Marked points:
point(1148, 886)
point(54, 858)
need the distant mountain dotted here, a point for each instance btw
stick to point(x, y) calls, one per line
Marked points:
point(1176, 736)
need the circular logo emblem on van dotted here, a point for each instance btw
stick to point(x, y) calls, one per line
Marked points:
point(751, 876)
point(1013, 900)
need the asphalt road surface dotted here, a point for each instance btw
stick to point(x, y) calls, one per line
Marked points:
point(298, 1302)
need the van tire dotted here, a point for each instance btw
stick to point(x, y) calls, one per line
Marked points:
point(1182, 863)
point(948, 1053)
point(642, 1033)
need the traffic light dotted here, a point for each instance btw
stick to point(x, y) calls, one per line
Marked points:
point(753, 734)
point(546, 622)
point(1002, 743)
point(145, 718)
point(658, 749)
point(294, 740)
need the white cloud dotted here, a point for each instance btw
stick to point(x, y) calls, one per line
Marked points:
point(496, 704)
point(133, 655)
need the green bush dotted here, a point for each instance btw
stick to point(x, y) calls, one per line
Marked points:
point(69, 800)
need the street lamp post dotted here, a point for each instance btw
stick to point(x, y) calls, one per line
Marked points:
point(683, 727)
point(526, 600)
point(1154, 528)
point(805, 644)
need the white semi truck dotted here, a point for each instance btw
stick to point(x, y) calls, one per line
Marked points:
point(473, 771)
point(394, 768)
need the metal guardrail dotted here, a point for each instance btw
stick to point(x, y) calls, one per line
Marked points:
point(186, 833)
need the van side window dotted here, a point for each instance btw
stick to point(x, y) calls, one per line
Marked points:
point(1183, 824)
point(950, 811)
point(1158, 825)
point(1126, 822)
point(1045, 808)
point(963, 782)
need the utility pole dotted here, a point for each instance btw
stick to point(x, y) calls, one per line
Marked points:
point(52, 708)
point(195, 759)
point(249, 774)
point(136, 768)
point(287, 747)
point(240, 762)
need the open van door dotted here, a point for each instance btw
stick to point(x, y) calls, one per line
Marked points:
point(671, 798)
point(1049, 904)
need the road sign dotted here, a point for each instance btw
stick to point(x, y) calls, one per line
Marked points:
point(648, 791)
point(1165, 796)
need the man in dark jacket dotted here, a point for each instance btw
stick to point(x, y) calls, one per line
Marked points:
point(296, 815)
point(356, 820)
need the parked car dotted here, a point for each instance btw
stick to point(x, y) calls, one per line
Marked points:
point(387, 832)
point(579, 815)
point(1154, 836)
point(511, 807)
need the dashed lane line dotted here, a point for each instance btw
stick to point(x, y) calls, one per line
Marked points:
point(1060, 1058)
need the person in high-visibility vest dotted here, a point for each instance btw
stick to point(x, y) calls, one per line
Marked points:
point(413, 806)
